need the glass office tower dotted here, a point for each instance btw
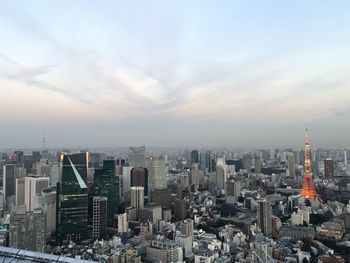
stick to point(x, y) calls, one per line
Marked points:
point(72, 198)
point(106, 184)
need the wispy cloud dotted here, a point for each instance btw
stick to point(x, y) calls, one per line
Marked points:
point(212, 86)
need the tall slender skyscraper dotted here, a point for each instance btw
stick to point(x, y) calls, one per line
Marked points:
point(99, 221)
point(221, 173)
point(291, 164)
point(9, 180)
point(106, 184)
point(308, 189)
point(194, 177)
point(137, 198)
point(72, 198)
point(157, 174)
point(264, 214)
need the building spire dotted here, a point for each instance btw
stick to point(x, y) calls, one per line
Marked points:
point(44, 141)
point(306, 136)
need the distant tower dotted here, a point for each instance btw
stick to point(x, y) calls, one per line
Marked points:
point(345, 159)
point(308, 190)
point(44, 141)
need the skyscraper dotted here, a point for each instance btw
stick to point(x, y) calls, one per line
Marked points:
point(157, 174)
point(204, 161)
point(180, 209)
point(9, 180)
point(55, 173)
point(345, 159)
point(137, 156)
point(139, 177)
point(221, 173)
point(264, 214)
point(20, 183)
point(291, 164)
point(194, 177)
point(187, 227)
point(308, 189)
point(47, 202)
point(99, 217)
point(328, 168)
point(123, 225)
point(232, 191)
point(27, 229)
point(72, 198)
point(106, 184)
point(32, 190)
point(195, 156)
point(137, 198)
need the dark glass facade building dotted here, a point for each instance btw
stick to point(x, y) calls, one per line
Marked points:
point(106, 184)
point(139, 177)
point(72, 198)
point(194, 156)
point(9, 180)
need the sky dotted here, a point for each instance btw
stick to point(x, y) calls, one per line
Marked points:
point(174, 73)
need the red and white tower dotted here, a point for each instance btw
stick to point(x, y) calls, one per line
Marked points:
point(308, 190)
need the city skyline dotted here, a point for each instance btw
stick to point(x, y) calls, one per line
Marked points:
point(246, 74)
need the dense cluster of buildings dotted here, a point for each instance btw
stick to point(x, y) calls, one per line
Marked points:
point(165, 205)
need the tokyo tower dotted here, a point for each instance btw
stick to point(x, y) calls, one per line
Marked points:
point(308, 190)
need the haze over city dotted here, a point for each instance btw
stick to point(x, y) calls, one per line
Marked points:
point(161, 73)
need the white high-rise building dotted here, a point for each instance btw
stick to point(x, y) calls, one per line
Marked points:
point(42, 168)
point(185, 242)
point(123, 225)
point(187, 226)
point(297, 219)
point(33, 187)
point(137, 198)
point(221, 173)
point(347, 166)
point(345, 159)
point(126, 182)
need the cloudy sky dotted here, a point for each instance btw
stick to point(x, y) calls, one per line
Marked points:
point(205, 73)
